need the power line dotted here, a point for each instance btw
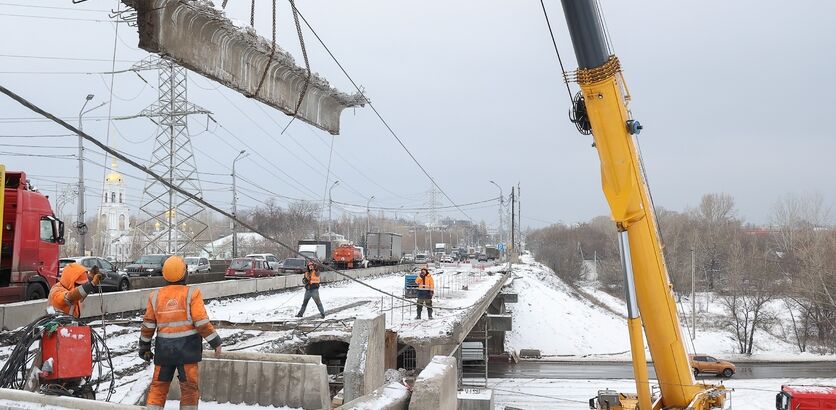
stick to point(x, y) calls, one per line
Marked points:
point(64, 58)
point(53, 7)
point(379, 116)
point(200, 200)
point(381, 208)
point(57, 18)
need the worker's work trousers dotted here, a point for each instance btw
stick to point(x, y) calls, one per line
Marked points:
point(312, 293)
point(187, 374)
point(428, 302)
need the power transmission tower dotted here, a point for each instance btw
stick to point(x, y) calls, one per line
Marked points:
point(171, 223)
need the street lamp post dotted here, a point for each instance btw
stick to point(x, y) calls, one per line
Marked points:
point(368, 215)
point(501, 202)
point(240, 155)
point(329, 209)
point(80, 225)
point(415, 233)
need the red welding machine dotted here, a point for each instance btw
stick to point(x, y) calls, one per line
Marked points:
point(67, 353)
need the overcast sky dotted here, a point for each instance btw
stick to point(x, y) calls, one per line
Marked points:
point(735, 97)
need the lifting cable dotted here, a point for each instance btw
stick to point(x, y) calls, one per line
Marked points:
point(164, 181)
point(307, 69)
point(272, 46)
point(556, 50)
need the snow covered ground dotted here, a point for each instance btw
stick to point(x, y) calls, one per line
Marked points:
point(587, 323)
point(531, 394)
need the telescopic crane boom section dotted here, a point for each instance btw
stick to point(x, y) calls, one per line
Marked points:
point(601, 108)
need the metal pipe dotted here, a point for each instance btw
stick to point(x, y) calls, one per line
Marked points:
point(587, 34)
point(240, 155)
point(634, 324)
point(82, 231)
point(330, 202)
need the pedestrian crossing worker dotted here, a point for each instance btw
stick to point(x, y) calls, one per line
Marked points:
point(177, 315)
point(311, 281)
point(73, 287)
point(426, 290)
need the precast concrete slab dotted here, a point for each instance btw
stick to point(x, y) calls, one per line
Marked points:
point(436, 387)
point(202, 39)
point(392, 396)
point(476, 399)
point(24, 400)
point(364, 365)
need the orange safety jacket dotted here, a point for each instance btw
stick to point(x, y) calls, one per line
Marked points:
point(178, 316)
point(69, 300)
point(426, 286)
point(313, 279)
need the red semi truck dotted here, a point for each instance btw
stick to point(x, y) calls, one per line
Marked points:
point(31, 237)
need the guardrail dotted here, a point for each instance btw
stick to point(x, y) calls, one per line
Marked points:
point(15, 315)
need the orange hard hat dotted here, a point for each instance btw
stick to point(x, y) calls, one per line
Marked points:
point(174, 269)
point(73, 274)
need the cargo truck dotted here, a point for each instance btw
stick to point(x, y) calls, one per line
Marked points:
point(319, 250)
point(349, 256)
point(31, 237)
point(492, 253)
point(383, 248)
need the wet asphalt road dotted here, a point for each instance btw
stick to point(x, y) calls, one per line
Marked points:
point(610, 370)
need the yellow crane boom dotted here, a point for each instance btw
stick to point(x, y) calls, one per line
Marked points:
point(600, 108)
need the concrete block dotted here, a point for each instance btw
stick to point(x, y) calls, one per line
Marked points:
point(364, 365)
point(476, 399)
point(436, 387)
point(237, 379)
point(203, 40)
point(393, 396)
point(509, 297)
point(18, 399)
point(254, 380)
point(296, 380)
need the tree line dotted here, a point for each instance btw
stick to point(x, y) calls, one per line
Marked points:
point(759, 274)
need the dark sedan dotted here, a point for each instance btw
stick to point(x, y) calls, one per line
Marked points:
point(147, 265)
point(292, 265)
point(112, 279)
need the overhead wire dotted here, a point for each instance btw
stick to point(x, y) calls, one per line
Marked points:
point(556, 50)
point(377, 113)
point(190, 196)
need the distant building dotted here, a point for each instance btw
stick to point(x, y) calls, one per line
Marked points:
point(248, 242)
point(115, 219)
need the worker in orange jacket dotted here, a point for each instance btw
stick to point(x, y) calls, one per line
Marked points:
point(426, 290)
point(311, 281)
point(177, 314)
point(72, 288)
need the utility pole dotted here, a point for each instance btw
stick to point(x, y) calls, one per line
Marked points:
point(80, 224)
point(368, 216)
point(415, 232)
point(519, 213)
point(240, 155)
point(329, 209)
point(693, 300)
point(513, 232)
point(501, 203)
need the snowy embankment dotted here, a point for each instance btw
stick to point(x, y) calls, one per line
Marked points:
point(589, 324)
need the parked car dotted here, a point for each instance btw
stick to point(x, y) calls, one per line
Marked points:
point(272, 260)
point(803, 397)
point(293, 265)
point(147, 265)
point(198, 265)
point(482, 257)
point(112, 279)
point(446, 259)
point(701, 363)
point(408, 258)
point(421, 258)
point(241, 268)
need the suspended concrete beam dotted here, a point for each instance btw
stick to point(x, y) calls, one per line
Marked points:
point(195, 35)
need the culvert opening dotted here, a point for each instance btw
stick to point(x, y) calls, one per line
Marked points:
point(333, 352)
point(406, 357)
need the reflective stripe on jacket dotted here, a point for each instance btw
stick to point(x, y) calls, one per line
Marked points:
point(177, 315)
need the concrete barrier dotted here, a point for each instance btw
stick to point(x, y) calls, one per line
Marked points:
point(24, 400)
point(364, 364)
point(436, 387)
point(476, 399)
point(266, 380)
point(146, 282)
point(393, 396)
point(15, 315)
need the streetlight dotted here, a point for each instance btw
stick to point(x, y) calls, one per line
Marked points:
point(329, 209)
point(368, 215)
point(501, 202)
point(80, 225)
point(240, 155)
point(415, 233)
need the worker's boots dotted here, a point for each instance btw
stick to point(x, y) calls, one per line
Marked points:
point(418, 316)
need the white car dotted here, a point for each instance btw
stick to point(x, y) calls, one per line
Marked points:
point(271, 259)
point(197, 265)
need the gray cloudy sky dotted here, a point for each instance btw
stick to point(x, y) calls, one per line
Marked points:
point(735, 96)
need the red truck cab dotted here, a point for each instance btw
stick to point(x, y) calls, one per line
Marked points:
point(806, 398)
point(31, 237)
point(348, 256)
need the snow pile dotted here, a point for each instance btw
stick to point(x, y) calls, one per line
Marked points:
point(551, 316)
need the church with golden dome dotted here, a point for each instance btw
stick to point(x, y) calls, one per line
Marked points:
point(115, 219)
